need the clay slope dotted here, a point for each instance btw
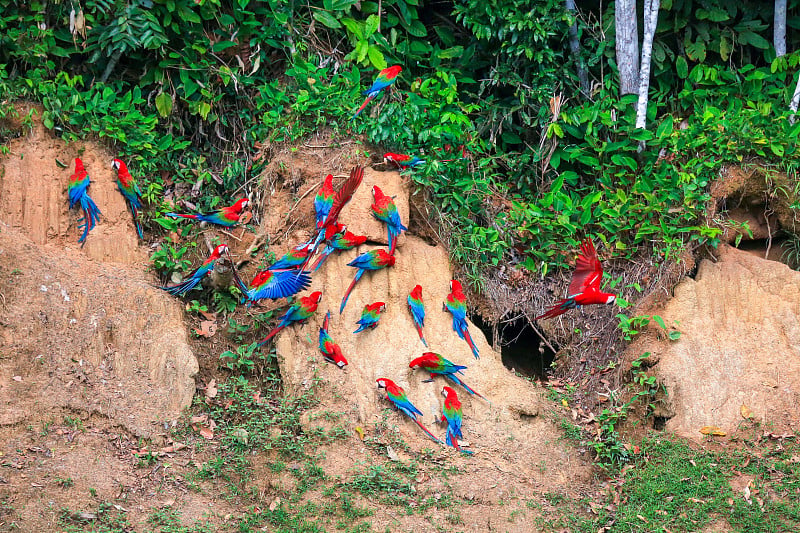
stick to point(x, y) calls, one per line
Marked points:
point(508, 436)
point(90, 337)
point(33, 196)
point(740, 345)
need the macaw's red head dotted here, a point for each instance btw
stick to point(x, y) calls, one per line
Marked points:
point(416, 292)
point(384, 382)
point(338, 359)
point(377, 192)
point(79, 165)
point(384, 258)
point(393, 71)
point(119, 165)
point(455, 286)
point(315, 297)
point(219, 250)
point(379, 306)
point(611, 299)
point(428, 359)
point(448, 392)
point(241, 204)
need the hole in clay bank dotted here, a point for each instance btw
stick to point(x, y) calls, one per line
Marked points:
point(659, 422)
point(521, 349)
point(759, 248)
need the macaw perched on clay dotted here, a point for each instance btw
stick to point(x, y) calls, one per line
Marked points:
point(584, 288)
point(130, 190)
point(293, 259)
point(457, 305)
point(417, 308)
point(452, 414)
point(339, 241)
point(385, 78)
point(77, 190)
point(197, 275)
point(396, 395)
point(300, 311)
point(330, 351)
point(273, 285)
point(372, 260)
point(402, 161)
point(370, 316)
point(323, 202)
point(225, 216)
point(385, 210)
point(438, 365)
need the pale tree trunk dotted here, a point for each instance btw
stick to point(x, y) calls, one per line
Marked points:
point(650, 22)
point(575, 48)
point(795, 102)
point(627, 46)
point(780, 28)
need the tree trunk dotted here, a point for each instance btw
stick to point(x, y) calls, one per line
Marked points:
point(627, 46)
point(795, 102)
point(575, 48)
point(650, 22)
point(780, 28)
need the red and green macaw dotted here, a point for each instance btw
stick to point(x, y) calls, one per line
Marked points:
point(372, 260)
point(385, 210)
point(457, 305)
point(452, 414)
point(438, 365)
point(396, 395)
point(293, 259)
point(77, 189)
point(273, 285)
point(330, 351)
point(402, 160)
point(197, 275)
point(300, 311)
point(130, 190)
point(226, 216)
point(323, 202)
point(385, 78)
point(584, 288)
point(417, 308)
point(339, 241)
point(370, 316)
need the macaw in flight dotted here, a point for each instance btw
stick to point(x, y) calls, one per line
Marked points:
point(372, 260)
point(77, 190)
point(417, 308)
point(225, 216)
point(457, 305)
point(402, 161)
point(385, 210)
point(130, 190)
point(385, 78)
point(370, 316)
point(452, 415)
point(438, 365)
point(396, 395)
point(197, 275)
point(273, 285)
point(330, 351)
point(584, 288)
point(300, 311)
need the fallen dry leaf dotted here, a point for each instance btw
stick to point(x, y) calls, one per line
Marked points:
point(391, 454)
point(206, 432)
point(209, 316)
point(207, 329)
point(199, 419)
point(360, 432)
point(275, 503)
point(211, 389)
point(245, 217)
point(714, 431)
point(746, 412)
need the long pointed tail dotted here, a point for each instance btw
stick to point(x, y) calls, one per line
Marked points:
point(135, 215)
point(468, 338)
point(178, 215)
point(350, 289)
point(183, 287)
point(91, 215)
point(270, 335)
point(427, 432)
point(360, 109)
point(393, 234)
point(421, 335)
point(561, 307)
point(455, 379)
point(321, 258)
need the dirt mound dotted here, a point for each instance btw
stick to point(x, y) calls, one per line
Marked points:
point(740, 345)
point(33, 196)
point(90, 337)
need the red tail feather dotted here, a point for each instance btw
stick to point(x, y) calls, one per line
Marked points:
point(270, 335)
point(427, 432)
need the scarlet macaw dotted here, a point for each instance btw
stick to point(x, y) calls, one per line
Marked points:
point(77, 190)
point(370, 316)
point(300, 311)
point(453, 415)
point(385, 210)
point(372, 260)
point(197, 275)
point(438, 365)
point(331, 351)
point(417, 308)
point(584, 288)
point(130, 190)
point(396, 395)
point(226, 216)
point(457, 305)
point(385, 78)
point(402, 160)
